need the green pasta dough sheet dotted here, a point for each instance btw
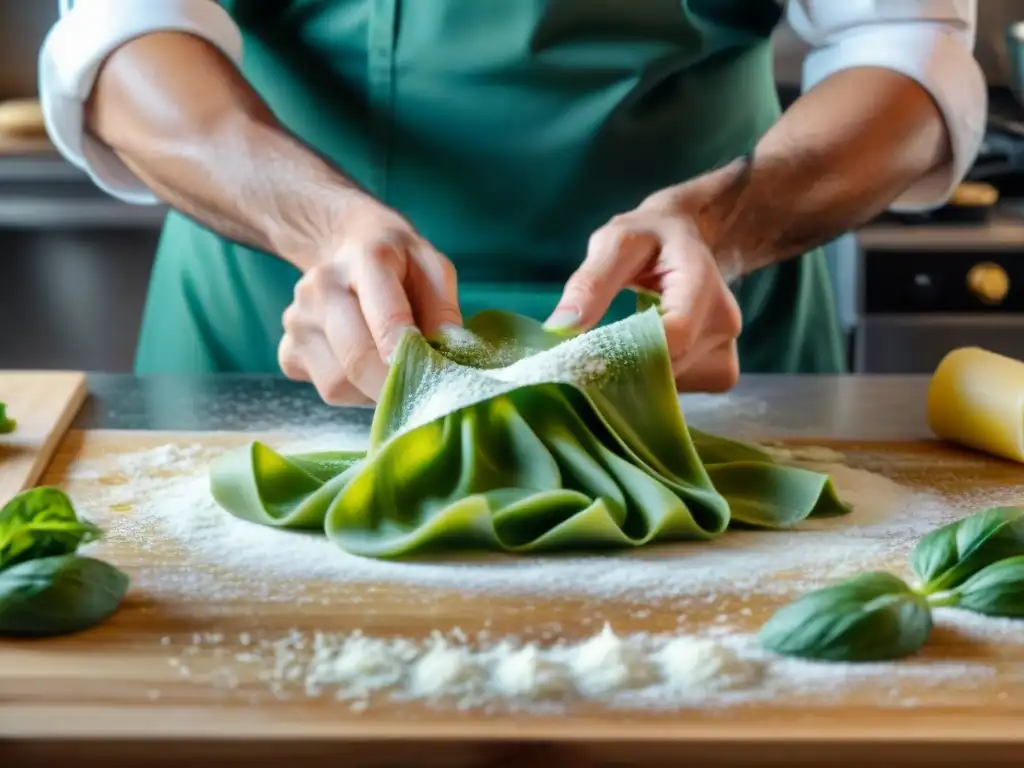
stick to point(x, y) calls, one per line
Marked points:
point(507, 437)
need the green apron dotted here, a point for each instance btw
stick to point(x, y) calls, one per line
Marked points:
point(506, 131)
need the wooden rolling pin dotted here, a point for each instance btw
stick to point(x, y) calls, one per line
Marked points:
point(976, 399)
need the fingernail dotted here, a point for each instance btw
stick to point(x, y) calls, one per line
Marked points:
point(562, 320)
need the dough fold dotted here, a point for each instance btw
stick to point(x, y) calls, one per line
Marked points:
point(508, 437)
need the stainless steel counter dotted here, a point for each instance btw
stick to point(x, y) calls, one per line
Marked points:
point(762, 407)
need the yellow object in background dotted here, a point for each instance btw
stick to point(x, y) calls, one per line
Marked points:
point(976, 398)
point(22, 117)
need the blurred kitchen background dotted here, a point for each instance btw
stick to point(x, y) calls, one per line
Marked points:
point(75, 263)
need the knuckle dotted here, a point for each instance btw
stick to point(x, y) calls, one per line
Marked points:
point(356, 357)
point(583, 284)
point(320, 281)
point(731, 316)
point(305, 288)
point(386, 251)
point(605, 237)
point(724, 377)
point(720, 372)
point(291, 318)
point(449, 276)
point(619, 234)
point(333, 388)
point(450, 314)
point(289, 360)
point(661, 201)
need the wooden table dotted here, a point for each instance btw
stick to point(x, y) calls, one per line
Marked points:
point(90, 695)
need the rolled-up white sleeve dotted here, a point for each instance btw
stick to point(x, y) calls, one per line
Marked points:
point(86, 33)
point(931, 41)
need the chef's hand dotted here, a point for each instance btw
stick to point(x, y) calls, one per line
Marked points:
point(660, 247)
point(352, 306)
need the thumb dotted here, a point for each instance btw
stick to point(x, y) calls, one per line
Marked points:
point(614, 258)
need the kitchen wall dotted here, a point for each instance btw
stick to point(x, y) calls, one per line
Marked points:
point(76, 263)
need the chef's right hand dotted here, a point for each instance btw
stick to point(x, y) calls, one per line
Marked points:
point(353, 305)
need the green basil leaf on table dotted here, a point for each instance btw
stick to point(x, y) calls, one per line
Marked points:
point(871, 617)
point(997, 590)
point(41, 522)
point(511, 438)
point(7, 424)
point(58, 595)
point(949, 555)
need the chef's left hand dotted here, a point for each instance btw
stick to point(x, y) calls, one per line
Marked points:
point(660, 247)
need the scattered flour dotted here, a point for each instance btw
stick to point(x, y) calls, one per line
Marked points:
point(357, 664)
point(151, 509)
point(633, 671)
point(159, 498)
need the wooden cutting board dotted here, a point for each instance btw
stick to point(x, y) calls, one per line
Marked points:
point(142, 675)
point(44, 404)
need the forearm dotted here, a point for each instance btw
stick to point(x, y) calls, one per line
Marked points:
point(178, 113)
point(838, 157)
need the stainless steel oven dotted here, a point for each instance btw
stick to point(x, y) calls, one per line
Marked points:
point(925, 290)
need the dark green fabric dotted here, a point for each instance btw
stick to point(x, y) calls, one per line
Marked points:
point(507, 131)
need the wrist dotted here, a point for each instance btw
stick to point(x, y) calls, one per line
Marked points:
point(309, 226)
point(721, 193)
point(721, 206)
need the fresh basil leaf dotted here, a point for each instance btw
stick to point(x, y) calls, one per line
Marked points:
point(872, 617)
point(41, 522)
point(6, 424)
point(949, 555)
point(58, 595)
point(997, 590)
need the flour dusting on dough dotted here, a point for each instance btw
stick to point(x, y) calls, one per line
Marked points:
point(583, 360)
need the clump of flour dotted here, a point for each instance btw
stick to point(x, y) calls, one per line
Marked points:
point(530, 673)
point(446, 669)
point(696, 662)
point(606, 663)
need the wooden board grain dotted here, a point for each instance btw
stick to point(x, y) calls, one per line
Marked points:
point(44, 404)
point(123, 680)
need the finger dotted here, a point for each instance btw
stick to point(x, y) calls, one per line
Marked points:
point(688, 282)
point(614, 258)
point(382, 299)
point(433, 293)
point(352, 346)
point(290, 360)
point(323, 369)
point(716, 371)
